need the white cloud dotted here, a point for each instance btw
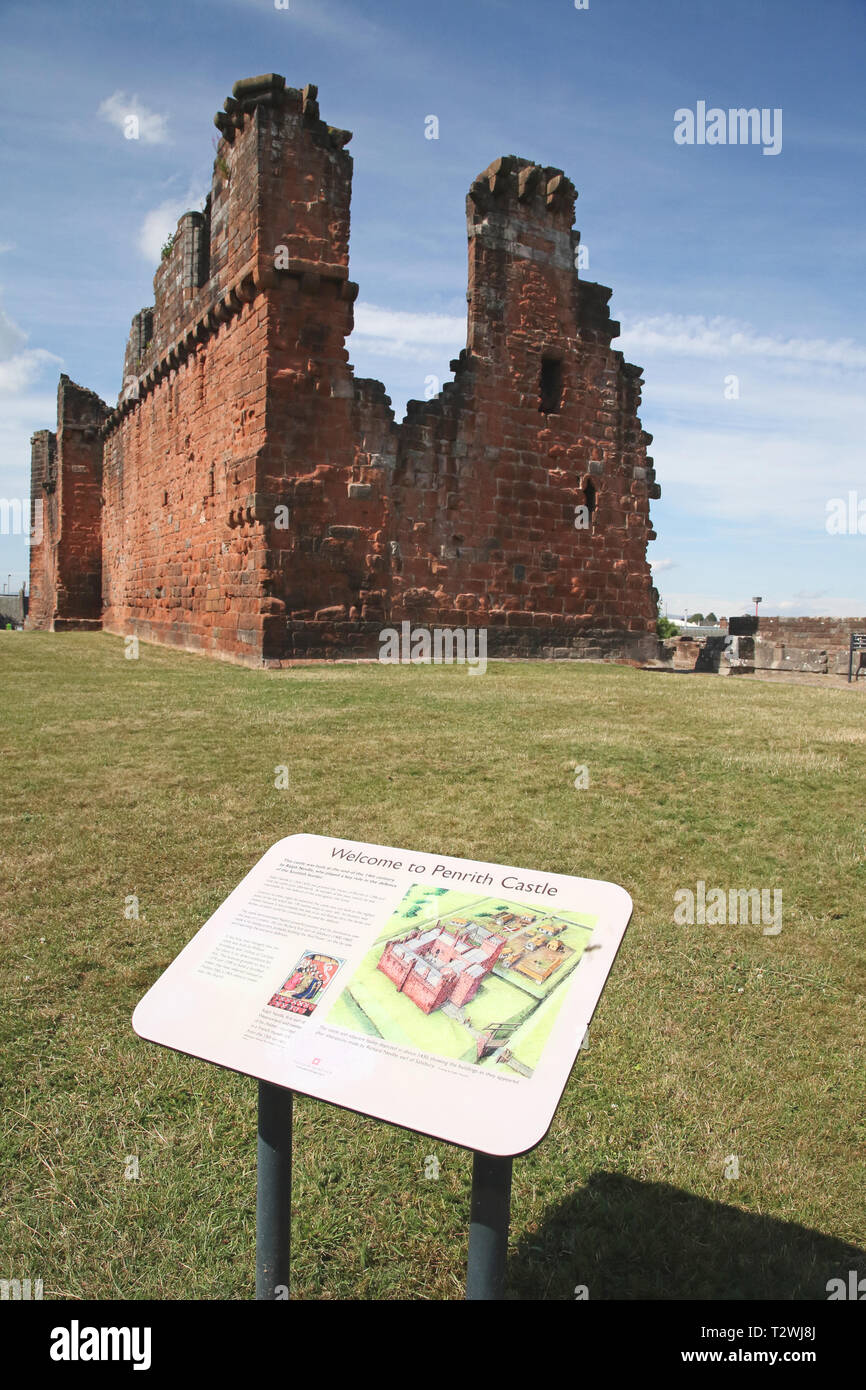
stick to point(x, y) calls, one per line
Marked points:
point(769, 460)
point(12, 338)
point(28, 390)
point(6, 246)
point(20, 366)
point(799, 606)
point(396, 333)
point(19, 373)
point(133, 119)
point(696, 336)
point(659, 566)
point(681, 606)
point(161, 222)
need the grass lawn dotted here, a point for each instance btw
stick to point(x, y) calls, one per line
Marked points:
point(155, 778)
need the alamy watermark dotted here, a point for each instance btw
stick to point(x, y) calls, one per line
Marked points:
point(715, 907)
point(445, 646)
point(77, 1343)
point(855, 1289)
point(736, 126)
point(846, 516)
point(19, 516)
point(17, 1290)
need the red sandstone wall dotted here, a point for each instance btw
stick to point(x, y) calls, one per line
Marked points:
point(180, 468)
point(818, 645)
point(189, 453)
point(66, 473)
point(331, 443)
point(487, 485)
point(80, 416)
point(810, 632)
point(43, 494)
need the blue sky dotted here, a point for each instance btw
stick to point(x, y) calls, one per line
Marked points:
point(724, 261)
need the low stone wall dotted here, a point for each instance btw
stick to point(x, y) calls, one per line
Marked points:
point(691, 653)
point(798, 632)
point(13, 609)
point(816, 646)
point(819, 646)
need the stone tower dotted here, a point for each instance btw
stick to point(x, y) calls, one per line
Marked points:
point(66, 494)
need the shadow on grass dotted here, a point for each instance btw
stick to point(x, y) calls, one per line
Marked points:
point(636, 1240)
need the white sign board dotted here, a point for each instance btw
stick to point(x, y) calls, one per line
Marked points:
point(446, 996)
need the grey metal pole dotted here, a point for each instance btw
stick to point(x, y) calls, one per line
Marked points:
point(274, 1192)
point(488, 1226)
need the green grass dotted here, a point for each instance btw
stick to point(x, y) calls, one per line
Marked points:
point(156, 778)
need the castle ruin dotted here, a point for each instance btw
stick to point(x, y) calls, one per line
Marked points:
point(250, 498)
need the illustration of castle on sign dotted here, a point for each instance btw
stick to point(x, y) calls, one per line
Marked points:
point(446, 962)
point(450, 960)
point(467, 977)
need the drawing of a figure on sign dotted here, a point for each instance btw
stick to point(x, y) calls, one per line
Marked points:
point(306, 984)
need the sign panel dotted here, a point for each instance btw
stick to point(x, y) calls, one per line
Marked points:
point(448, 996)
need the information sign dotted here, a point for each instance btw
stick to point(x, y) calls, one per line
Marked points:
point(447, 996)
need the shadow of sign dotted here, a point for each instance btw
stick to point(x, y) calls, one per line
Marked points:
point(625, 1239)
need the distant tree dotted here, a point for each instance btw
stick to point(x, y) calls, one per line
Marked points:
point(711, 618)
point(664, 626)
point(696, 618)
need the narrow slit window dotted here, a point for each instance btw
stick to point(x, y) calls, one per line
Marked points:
point(550, 386)
point(589, 495)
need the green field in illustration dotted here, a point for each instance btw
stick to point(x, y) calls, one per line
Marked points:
point(508, 1019)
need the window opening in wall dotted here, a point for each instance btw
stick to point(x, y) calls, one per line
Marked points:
point(550, 386)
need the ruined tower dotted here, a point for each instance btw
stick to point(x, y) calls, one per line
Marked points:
point(250, 498)
point(66, 495)
point(523, 492)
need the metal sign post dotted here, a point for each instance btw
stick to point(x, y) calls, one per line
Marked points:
point(488, 1226)
point(490, 1211)
point(274, 1192)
